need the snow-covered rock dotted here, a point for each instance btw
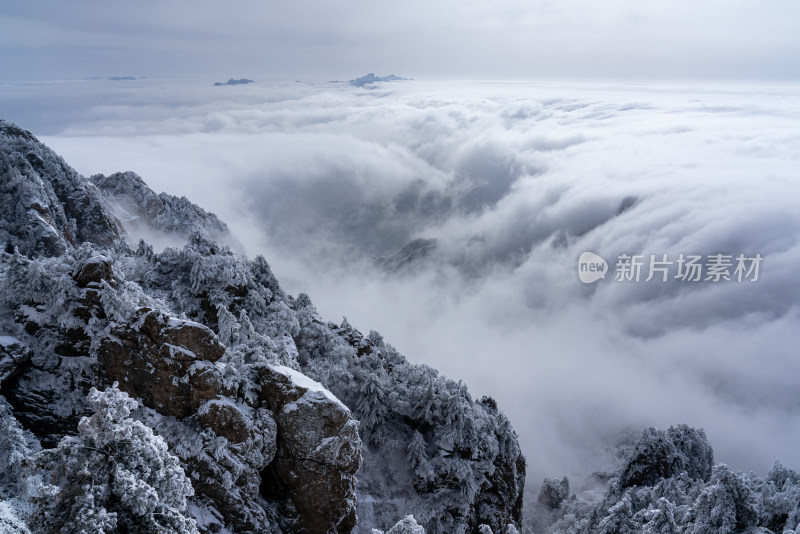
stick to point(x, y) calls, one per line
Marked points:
point(42, 198)
point(318, 455)
point(666, 483)
point(140, 209)
point(169, 365)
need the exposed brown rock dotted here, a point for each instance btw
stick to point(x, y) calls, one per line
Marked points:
point(226, 420)
point(166, 362)
point(94, 271)
point(228, 476)
point(319, 452)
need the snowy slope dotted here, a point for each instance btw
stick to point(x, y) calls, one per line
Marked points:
point(269, 409)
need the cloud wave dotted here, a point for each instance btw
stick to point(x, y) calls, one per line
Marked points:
point(512, 182)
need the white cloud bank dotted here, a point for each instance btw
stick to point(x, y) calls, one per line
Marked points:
point(514, 181)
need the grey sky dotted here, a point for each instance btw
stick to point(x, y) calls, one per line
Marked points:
point(315, 40)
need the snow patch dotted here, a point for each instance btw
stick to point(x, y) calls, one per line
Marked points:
point(7, 341)
point(325, 442)
point(174, 322)
point(10, 523)
point(98, 259)
point(301, 380)
point(175, 350)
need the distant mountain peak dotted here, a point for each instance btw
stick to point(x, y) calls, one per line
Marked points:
point(232, 81)
point(371, 78)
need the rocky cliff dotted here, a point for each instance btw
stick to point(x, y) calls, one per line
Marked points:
point(279, 420)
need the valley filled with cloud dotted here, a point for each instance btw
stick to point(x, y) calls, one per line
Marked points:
point(449, 216)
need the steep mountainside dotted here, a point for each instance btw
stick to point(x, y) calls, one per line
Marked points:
point(246, 411)
point(666, 483)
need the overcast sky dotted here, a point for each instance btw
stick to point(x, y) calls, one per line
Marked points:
point(317, 41)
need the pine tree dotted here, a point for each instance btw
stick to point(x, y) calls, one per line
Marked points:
point(114, 476)
point(619, 519)
point(371, 406)
point(725, 505)
point(418, 459)
point(228, 326)
point(661, 519)
point(16, 447)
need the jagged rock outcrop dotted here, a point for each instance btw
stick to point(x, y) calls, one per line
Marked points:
point(320, 444)
point(219, 358)
point(139, 207)
point(42, 198)
point(167, 362)
point(453, 462)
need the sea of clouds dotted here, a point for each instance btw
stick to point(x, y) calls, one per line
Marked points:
point(513, 181)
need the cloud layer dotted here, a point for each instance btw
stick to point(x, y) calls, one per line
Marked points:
point(513, 182)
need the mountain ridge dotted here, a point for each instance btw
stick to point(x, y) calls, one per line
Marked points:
point(198, 336)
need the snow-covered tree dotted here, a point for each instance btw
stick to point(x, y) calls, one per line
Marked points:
point(228, 326)
point(418, 459)
point(778, 502)
point(553, 492)
point(725, 505)
point(660, 454)
point(619, 519)
point(114, 476)
point(10, 521)
point(660, 519)
point(371, 406)
point(407, 525)
point(16, 447)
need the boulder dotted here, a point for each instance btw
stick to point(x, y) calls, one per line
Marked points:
point(167, 362)
point(226, 473)
point(226, 420)
point(94, 271)
point(319, 451)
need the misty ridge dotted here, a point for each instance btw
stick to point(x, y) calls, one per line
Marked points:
point(450, 217)
point(233, 81)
